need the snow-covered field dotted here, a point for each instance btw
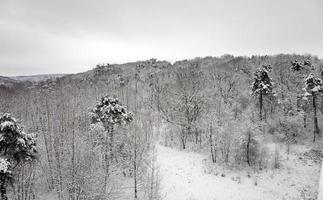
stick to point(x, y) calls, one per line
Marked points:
point(184, 177)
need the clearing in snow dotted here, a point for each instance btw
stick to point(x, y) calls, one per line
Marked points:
point(183, 177)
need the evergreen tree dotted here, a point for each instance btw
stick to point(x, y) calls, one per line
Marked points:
point(313, 87)
point(16, 147)
point(109, 112)
point(296, 66)
point(262, 85)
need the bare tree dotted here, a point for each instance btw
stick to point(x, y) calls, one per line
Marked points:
point(184, 102)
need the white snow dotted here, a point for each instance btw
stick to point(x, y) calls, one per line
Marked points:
point(307, 94)
point(184, 177)
point(6, 124)
point(317, 88)
point(21, 141)
point(4, 166)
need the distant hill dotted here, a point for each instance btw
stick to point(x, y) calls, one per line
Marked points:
point(6, 81)
point(37, 78)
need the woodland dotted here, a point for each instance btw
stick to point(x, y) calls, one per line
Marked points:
point(97, 134)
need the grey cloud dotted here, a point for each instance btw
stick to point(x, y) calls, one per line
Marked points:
point(60, 36)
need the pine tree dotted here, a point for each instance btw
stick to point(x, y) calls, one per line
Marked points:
point(109, 112)
point(313, 87)
point(296, 66)
point(262, 85)
point(16, 147)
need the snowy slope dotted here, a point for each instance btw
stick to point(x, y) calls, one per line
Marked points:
point(183, 178)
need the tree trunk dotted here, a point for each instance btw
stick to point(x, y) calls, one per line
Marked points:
point(304, 119)
point(111, 132)
point(236, 111)
point(212, 147)
point(183, 140)
point(316, 127)
point(272, 109)
point(260, 106)
point(248, 148)
point(106, 160)
point(196, 136)
point(135, 174)
point(3, 189)
point(200, 139)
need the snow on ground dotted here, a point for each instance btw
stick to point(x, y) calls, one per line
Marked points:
point(183, 177)
point(298, 175)
point(320, 191)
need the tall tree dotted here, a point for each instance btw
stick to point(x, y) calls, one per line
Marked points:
point(262, 85)
point(313, 87)
point(16, 147)
point(110, 112)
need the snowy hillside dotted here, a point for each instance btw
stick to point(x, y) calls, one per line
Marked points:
point(228, 128)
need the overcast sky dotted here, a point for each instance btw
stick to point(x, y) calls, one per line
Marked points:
point(66, 36)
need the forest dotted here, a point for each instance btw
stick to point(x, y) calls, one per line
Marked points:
point(254, 123)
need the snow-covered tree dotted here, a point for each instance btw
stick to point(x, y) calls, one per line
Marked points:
point(109, 113)
point(16, 146)
point(296, 66)
point(313, 87)
point(262, 85)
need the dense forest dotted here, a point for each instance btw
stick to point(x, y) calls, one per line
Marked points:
point(96, 132)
